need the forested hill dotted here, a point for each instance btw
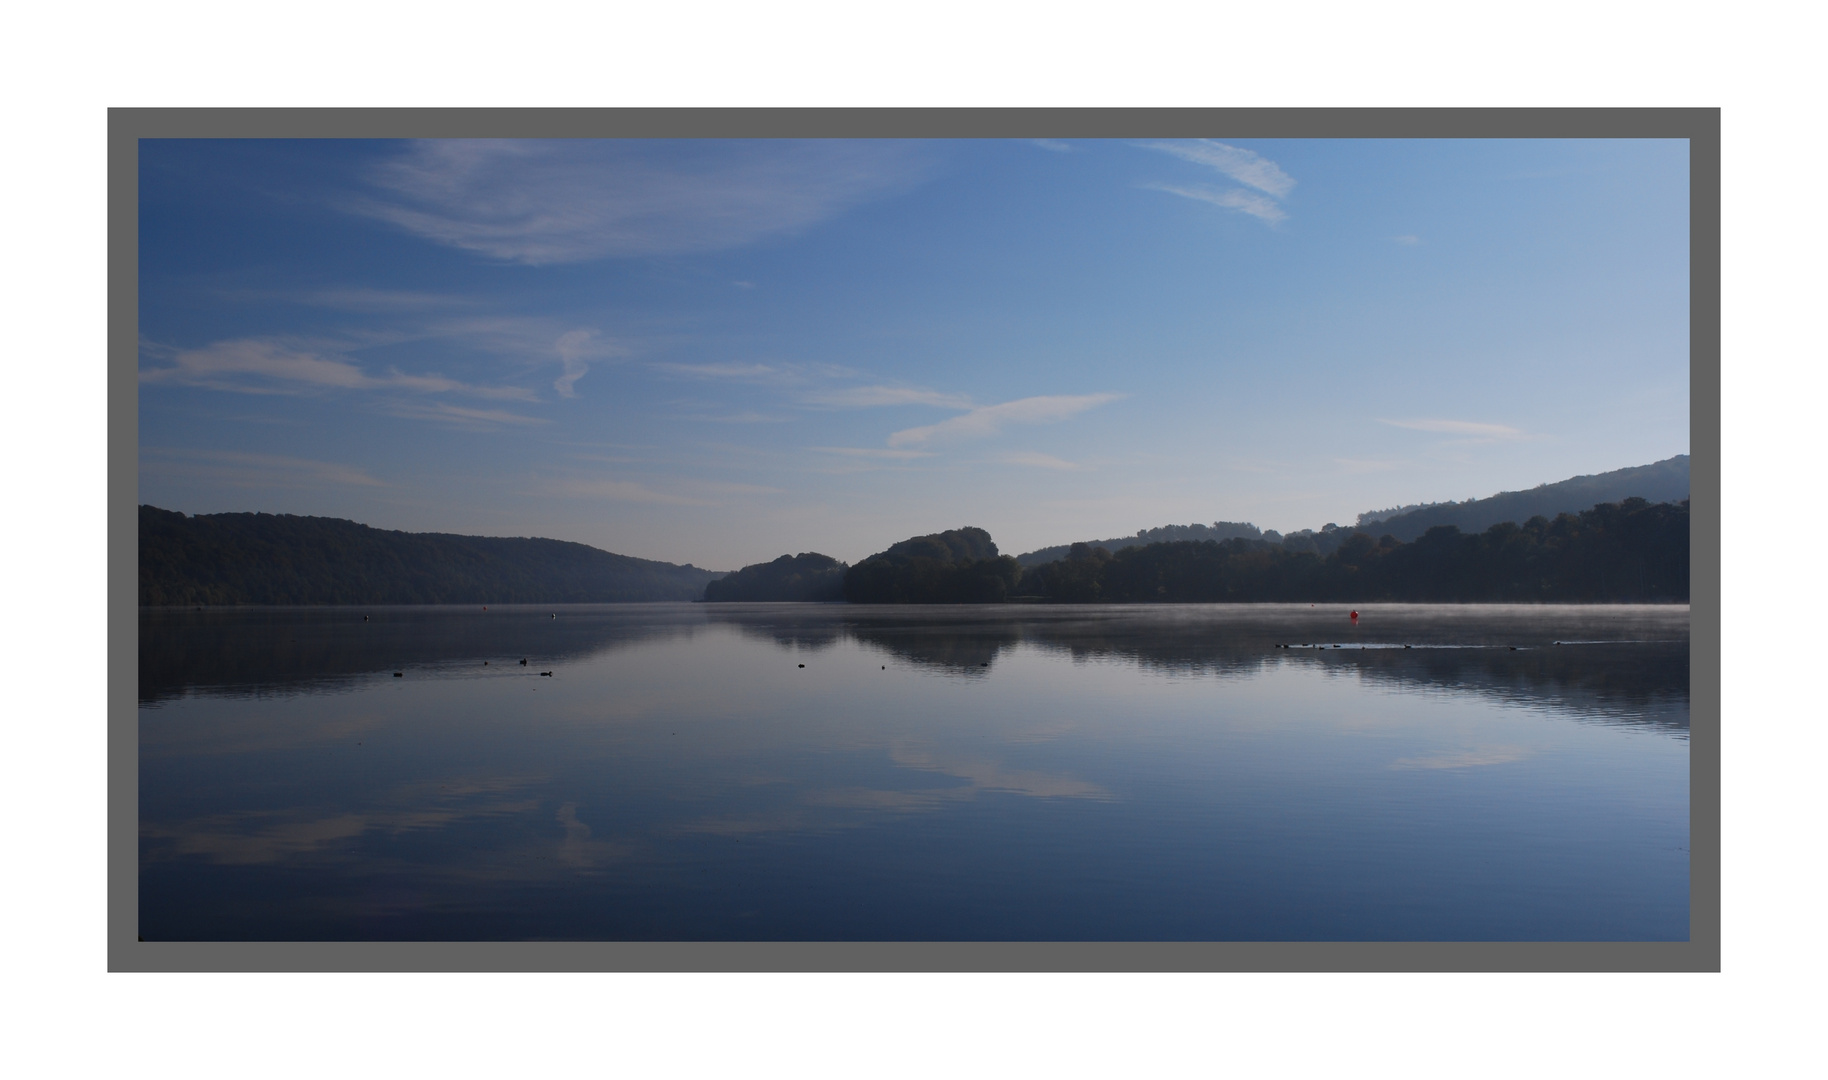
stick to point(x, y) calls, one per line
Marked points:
point(1166, 534)
point(285, 559)
point(1629, 552)
point(1662, 481)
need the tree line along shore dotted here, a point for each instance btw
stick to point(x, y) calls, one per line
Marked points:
point(1632, 551)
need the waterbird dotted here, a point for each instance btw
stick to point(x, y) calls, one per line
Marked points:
point(523, 662)
point(545, 673)
point(802, 665)
point(399, 674)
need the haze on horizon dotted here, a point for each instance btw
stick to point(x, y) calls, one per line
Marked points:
point(719, 352)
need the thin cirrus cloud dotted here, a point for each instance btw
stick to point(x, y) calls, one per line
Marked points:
point(231, 468)
point(869, 397)
point(992, 419)
point(871, 452)
point(1040, 461)
point(760, 373)
point(1248, 202)
point(251, 365)
point(1468, 428)
point(619, 491)
point(541, 202)
point(459, 416)
point(1243, 166)
point(696, 493)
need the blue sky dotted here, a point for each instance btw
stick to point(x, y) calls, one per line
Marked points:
point(718, 352)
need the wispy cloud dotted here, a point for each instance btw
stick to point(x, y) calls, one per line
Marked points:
point(1407, 239)
point(365, 299)
point(559, 201)
point(686, 493)
point(731, 372)
point(991, 419)
point(714, 487)
point(252, 365)
point(1250, 203)
point(748, 416)
point(237, 469)
point(1040, 461)
point(1458, 427)
point(619, 491)
point(865, 397)
point(458, 416)
point(871, 452)
point(572, 348)
point(1244, 166)
point(1055, 145)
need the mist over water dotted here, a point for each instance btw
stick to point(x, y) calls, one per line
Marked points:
point(815, 772)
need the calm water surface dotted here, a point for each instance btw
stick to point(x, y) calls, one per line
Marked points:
point(828, 772)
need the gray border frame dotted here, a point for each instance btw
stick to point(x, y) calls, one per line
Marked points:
point(1701, 127)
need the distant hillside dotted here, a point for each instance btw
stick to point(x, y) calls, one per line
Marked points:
point(1218, 530)
point(808, 576)
point(1664, 481)
point(1628, 552)
point(284, 559)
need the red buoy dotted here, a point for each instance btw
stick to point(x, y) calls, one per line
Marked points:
point(1355, 616)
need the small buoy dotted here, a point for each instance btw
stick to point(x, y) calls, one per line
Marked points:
point(1355, 616)
point(885, 667)
point(485, 663)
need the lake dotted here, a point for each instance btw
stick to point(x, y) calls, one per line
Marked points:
point(834, 772)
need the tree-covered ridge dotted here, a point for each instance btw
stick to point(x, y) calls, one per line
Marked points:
point(958, 566)
point(808, 576)
point(1662, 481)
point(1218, 530)
point(1616, 552)
point(286, 559)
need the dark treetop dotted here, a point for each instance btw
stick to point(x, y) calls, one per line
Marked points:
point(284, 559)
point(808, 576)
point(958, 566)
